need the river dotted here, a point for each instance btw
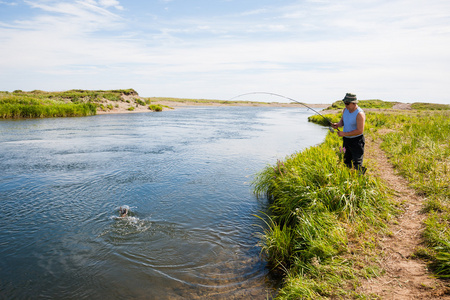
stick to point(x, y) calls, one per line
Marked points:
point(185, 174)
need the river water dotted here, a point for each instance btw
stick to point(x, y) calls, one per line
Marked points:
point(185, 174)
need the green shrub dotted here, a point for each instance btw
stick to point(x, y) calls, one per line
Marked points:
point(140, 102)
point(155, 107)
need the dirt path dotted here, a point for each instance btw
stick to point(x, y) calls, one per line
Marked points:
point(404, 277)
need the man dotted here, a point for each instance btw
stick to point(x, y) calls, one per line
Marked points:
point(353, 119)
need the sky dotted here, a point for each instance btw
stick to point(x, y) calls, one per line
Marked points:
point(313, 51)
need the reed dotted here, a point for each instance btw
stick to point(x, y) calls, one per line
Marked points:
point(26, 107)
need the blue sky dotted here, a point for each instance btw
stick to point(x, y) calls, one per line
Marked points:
point(311, 50)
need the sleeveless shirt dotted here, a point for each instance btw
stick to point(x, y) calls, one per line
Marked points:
point(350, 121)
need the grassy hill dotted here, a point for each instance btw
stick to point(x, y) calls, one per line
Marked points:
point(72, 103)
point(380, 104)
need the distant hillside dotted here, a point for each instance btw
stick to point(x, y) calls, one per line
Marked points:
point(72, 103)
point(376, 103)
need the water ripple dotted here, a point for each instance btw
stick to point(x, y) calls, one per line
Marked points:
point(190, 232)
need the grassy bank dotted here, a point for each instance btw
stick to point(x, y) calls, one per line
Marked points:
point(73, 103)
point(323, 218)
point(23, 106)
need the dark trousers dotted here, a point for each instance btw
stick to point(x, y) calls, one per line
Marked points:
point(354, 152)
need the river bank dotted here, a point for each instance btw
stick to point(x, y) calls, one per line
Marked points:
point(77, 103)
point(382, 235)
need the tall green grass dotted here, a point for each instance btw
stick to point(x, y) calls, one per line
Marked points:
point(320, 209)
point(28, 107)
point(323, 120)
point(420, 150)
point(317, 207)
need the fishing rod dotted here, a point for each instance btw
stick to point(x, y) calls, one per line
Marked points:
point(278, 95)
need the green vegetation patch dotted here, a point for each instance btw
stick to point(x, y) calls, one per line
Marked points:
point(334, 118)
point(430, 106)
point(72, 103)
point(155, 107)
point(13, 107)
point(320, 210)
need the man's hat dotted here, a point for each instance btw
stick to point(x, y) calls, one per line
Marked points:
point(350, 98)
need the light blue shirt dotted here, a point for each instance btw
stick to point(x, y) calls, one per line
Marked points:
point(350, 121)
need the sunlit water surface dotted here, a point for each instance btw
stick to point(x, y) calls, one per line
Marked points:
point(186, 176)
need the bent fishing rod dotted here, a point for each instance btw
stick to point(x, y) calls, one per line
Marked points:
point(290, 99)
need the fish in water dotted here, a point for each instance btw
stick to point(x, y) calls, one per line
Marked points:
point(123, 211)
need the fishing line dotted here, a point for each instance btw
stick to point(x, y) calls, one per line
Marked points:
point(278, 95)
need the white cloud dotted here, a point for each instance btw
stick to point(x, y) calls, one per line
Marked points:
point(312, 49)
point(113, 3)
point(77, 13)
point(9, 3)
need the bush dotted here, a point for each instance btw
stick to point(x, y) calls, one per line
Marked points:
point(140, 102)
point(155, 107)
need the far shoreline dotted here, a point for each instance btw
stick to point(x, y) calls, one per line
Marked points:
point(170, 105)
